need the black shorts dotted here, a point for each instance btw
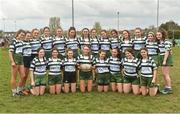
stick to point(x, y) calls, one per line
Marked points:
point(27, 61)
point(33, 56)
point(69, 77)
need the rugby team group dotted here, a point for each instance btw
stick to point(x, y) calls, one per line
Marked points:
point(62, 64)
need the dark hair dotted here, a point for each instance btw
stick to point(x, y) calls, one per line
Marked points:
point(145, 49)
point(70, 29)
point(164, 34)
point(100, 51)
point(117, 49)
point(88, 32)
point(130, 50)
point(19, 32)
point(54, 48)
point(67, 50)
point(28, 32)
point(41, 48)
point(127, 32)
point(114, 30)
point(46, 28)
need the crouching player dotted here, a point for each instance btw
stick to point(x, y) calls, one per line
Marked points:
point(38, 73)
point(101, 64)
point(54, 74)
point(85, 61)
point(148, 72)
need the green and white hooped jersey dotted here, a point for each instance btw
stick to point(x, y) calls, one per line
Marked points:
point(130, 66)
point(81, 59)
point(152, 48)
point(105, 44)
point(164, 46)
point(114, 65)
point(94, 45)
point(35, 45)
point(39, 66)
point(69, 65)
point(54, 66)
point(125, 44)
point(27, 50)
point(102, 66)
point(115, 43)
point(47, 43)
point(60, 44)
point(72, 43)
point(139, 43)
point(147, 66)
point(16, 46)
point(83, 42)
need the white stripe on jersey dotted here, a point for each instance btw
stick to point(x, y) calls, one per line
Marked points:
point(35, 45)
point(72, 43)
point(115, 65)
point(102, 66)
point(27, 50)
point(130, 66)
point(16, 46)
point(69, 65)
point(139, 43)
point(54, 66)
point(94, 45)
point(60, 44)
point(147, 67)
point(105, 44)
point(47, 43)
point(152, 48)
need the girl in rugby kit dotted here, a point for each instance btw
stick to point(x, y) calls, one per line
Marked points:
point(94, 43)
point(47, 42)
point(35, 43)
point(126, 42)
point(165, 60)
point(130, 70)
point(16, 60)
point(38, 72)
point(138, 42)
point(27, 51)
point(54, 74)
point(152, 47)
point(115, 43)
point(115, 70)
point(70, 65)
point(72, 41)
point(85, 39)
point(85, 61)
point(101, 65)
point(148, 73)
point(105, 43)
point(59, 42)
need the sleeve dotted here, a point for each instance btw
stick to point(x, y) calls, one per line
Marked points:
point(168, 45)
point(154, 66)
point(32, 66)
point(12, 46)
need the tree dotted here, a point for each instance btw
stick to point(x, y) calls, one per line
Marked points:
point(54, 23)
point(97, 26)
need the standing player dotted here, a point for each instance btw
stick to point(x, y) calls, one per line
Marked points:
point(104, 43)
point(152, 47)
point(94, 43)
point(165, 60)
point(59, 42)
point(72, 42)
point(16, 60)
point(138, 42)
point(47, 42)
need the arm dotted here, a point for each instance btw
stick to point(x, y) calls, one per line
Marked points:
point(32, 77)
point(11, 59)
point(154, 76)
point(165, 57)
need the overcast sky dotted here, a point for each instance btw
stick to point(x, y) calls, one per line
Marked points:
point(28, 14)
